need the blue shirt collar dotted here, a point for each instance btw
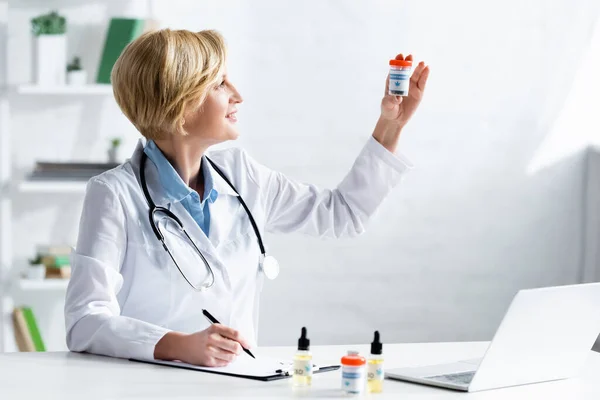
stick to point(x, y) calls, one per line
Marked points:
point(175, 189)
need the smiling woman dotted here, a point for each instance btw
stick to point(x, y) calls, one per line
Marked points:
point(171, 212)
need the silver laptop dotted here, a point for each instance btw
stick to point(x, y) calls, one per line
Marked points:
point(545, 335)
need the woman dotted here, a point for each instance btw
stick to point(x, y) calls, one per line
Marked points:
point(131, 296)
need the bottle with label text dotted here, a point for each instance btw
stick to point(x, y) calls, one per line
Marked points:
point(353, 373)
point(375, 373)
point(399, 81)
point(303, 366)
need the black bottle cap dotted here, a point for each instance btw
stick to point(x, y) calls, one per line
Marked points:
point(376, 346)
point(303, 342)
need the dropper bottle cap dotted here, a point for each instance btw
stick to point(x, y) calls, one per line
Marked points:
point(376, 346)
point(303, 342)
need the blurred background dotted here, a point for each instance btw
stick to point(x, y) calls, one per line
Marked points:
point(505, 194)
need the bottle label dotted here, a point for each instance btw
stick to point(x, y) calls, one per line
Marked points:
point(303, 367)
point(375, 372)
point(399, 82)
point(353, 380)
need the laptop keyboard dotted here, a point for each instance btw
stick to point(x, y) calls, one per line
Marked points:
point(462, 378)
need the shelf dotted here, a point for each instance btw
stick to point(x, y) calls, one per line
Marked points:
point(52, 186)
point(43, 284)
point(91, 89)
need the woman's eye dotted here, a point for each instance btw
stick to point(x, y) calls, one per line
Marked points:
point(222, 84)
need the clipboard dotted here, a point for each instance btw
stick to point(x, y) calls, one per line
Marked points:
point(261, 369)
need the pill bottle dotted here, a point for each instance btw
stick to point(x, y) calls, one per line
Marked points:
point(353, 373)
point(399, 77)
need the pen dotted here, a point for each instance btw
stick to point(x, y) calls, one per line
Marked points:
point(214, 321)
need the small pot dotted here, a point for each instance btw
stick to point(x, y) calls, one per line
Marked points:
point(112, 154)
point(77, 77)
point(36, 272)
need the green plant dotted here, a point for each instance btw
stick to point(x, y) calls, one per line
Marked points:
point(49, 24)
point(115, 142)
point(36, 260)
point(74, 65)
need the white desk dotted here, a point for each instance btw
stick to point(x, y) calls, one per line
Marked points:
point(69, 376)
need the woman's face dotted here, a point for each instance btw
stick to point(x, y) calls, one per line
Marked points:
point(215, 121)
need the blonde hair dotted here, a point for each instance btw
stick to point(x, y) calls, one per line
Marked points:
point(161, 73)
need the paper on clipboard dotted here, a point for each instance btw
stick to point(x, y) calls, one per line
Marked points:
point(263, 368)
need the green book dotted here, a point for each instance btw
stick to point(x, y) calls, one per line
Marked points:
point(56, 261)
point(33, 329)
point(121, 32)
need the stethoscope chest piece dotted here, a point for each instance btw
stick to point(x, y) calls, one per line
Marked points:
point(269, 266)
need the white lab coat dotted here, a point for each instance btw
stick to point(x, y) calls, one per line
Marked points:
point(125, 293)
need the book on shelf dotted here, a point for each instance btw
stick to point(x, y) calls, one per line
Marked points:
point(57, 260)
point(76, 171)
point(121, 32)
point(26, 329)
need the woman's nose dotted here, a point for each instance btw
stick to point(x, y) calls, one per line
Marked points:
point(236, 96)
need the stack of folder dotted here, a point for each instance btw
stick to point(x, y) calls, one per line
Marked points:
point(27, 332)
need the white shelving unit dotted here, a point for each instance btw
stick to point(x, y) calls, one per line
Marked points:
point(27, 186)
point(46, 284)
point(91, 89)
point(8, 185)
point(51, 187)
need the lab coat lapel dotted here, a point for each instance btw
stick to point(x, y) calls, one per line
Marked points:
point(195, 232)
point(157, 193)
point(225, 211)
point(224, 214)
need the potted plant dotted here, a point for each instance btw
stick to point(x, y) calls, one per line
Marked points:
point(36, 270)
point(113, 150)
point(75, 74)
point(49, 48)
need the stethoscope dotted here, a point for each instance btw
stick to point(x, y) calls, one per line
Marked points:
point(268, 264)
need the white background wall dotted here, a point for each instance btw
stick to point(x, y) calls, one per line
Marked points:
point(451, 246)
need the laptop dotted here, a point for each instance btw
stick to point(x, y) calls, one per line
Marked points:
point(546, 334)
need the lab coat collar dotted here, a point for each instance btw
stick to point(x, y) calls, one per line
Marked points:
point(219, 184)
point(159, 195)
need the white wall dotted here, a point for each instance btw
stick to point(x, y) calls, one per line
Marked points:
point(466, 229)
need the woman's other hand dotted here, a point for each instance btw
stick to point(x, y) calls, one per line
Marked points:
point(216, 346)
point(400, 109)
point(396, 111)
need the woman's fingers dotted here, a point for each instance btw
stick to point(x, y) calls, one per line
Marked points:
point(423, 78)
point(221, 354)
point(231, 333)
point(214, 361)
point(417, 73)
point(225, 344)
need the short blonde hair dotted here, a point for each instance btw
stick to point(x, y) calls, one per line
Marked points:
point(161, 73)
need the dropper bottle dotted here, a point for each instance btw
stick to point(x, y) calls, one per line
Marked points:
point(375, 372)
point(303, 368)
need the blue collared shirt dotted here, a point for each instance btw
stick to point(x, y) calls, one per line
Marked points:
point(178, 191)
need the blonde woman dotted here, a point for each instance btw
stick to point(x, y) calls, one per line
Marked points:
point(176, 229)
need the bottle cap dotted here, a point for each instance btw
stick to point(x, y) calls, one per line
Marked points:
point(303, 342)
point(401, 63)
point(376, 346)
point(353, 359)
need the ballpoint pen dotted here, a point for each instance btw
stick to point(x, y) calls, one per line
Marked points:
point(214, 321)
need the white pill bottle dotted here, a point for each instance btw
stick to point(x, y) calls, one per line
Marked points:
point(353, 373)
point(399, 77)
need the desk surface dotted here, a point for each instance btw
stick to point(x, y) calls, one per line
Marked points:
point(68, 376)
